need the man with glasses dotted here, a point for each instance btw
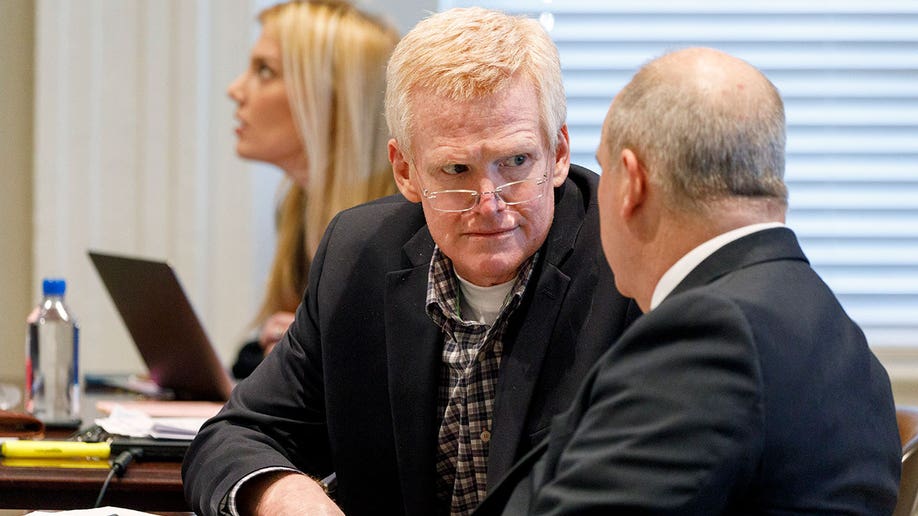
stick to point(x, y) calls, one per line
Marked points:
point(439, 335)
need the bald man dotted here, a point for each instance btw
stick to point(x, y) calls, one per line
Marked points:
point(744, 388)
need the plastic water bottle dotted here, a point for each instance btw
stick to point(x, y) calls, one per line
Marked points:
point(52, 390)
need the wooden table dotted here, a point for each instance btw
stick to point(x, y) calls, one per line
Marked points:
point(146, 486)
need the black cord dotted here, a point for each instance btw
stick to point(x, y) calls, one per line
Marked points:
point(108, 479)
point(119, 466)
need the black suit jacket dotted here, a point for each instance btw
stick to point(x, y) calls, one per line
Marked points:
point(748, 390)
point(352, 387)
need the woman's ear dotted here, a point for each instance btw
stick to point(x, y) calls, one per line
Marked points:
point(401, 170)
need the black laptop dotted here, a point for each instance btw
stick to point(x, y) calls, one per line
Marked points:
point(163, 324)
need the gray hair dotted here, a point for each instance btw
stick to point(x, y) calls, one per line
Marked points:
point(707, 139)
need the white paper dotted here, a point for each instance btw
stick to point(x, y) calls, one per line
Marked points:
point(176, 427)
point(134, 423)
point(100, 511)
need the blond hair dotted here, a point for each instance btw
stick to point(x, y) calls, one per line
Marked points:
point(470, 53)
point(334, 59)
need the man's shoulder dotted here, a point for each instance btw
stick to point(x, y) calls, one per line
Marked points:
point(392, 211)
point(700, 306)
point(388, 203)
point(579, 190)
point(584, 179)
point(576, 217)
point(579, 171)
point(383, 225)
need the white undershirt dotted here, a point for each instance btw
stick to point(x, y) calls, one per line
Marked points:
point(482, 304)
point(671, 279)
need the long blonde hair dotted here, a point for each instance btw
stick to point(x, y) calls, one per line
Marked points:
point(334, 60)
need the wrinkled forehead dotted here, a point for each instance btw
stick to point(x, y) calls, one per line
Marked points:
point(514, 110)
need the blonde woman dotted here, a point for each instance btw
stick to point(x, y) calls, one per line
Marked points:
point(311, 103)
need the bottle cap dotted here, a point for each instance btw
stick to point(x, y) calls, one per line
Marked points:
point(54, 286)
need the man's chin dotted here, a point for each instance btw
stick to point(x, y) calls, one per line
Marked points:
point(489, 271)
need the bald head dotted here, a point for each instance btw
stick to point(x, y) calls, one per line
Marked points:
point(692, 148)
point(726, 86)
point(708, 126)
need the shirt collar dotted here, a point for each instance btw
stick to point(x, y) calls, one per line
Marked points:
point(672, 277)
point(443, 288)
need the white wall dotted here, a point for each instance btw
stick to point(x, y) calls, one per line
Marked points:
point(134, 154)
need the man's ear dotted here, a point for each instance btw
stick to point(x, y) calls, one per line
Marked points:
point(401, 170)
point(634, 183)
point(562, 157)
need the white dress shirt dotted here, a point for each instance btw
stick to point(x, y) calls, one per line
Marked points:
point(672, 277)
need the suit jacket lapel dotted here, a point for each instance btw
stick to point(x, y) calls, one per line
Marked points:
point(519, 372)
point(520, 367)
point(413, 346)
point(761, 246)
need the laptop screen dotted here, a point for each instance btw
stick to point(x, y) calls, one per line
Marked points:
point(164, 326)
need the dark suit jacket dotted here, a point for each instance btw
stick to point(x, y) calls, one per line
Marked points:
point(748, 390)
point(353, 386)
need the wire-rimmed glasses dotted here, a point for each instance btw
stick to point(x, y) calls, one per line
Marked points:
point(512, 193)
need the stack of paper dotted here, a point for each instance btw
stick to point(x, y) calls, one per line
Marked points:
point(135, 423)
point(176, 427)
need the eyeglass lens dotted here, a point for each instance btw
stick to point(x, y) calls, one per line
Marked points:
point(516, 192)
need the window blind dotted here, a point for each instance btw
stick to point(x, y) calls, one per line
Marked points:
point(848, 72)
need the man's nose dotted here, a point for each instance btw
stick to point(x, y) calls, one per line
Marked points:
point(490, 201)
